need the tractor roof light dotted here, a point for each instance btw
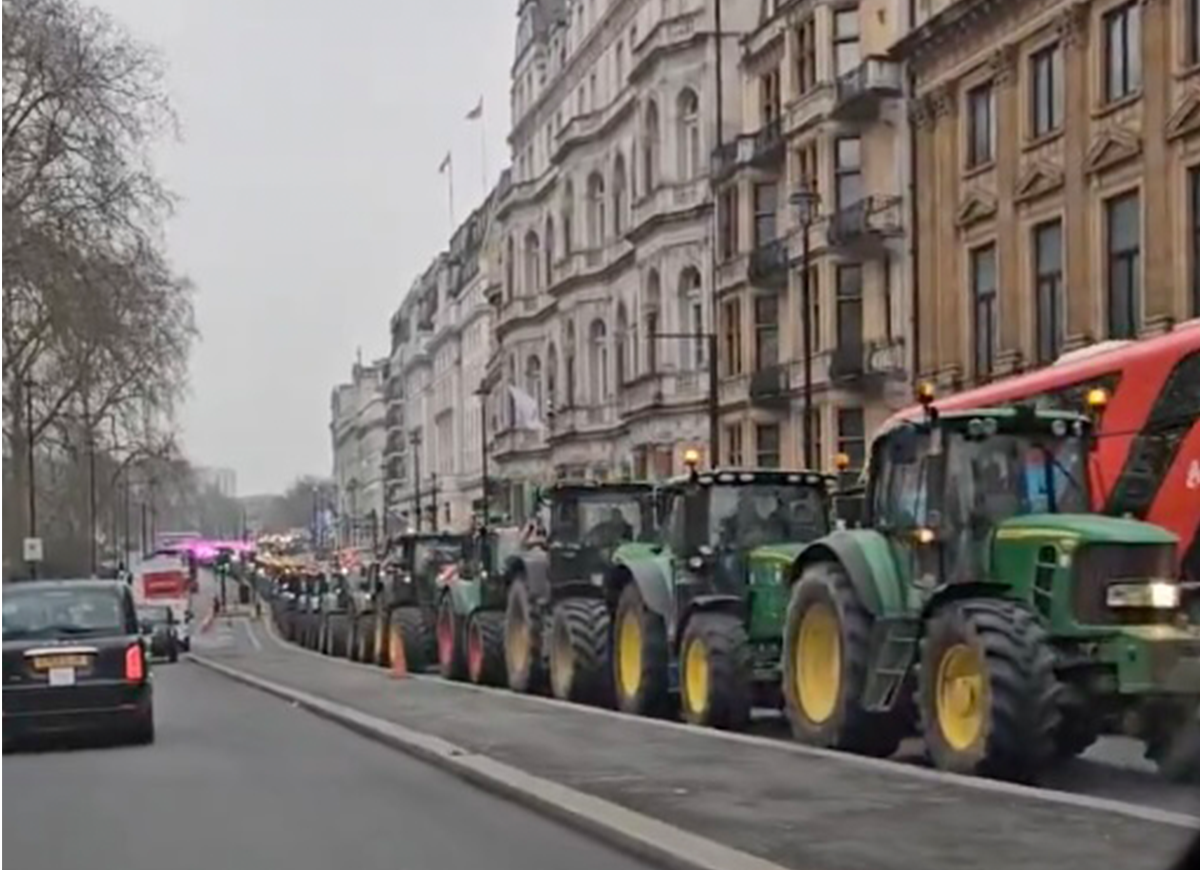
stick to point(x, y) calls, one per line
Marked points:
point(691, 458)
point(842, 461)
point(924, 536)
point(925, 393)
point(1097, 398)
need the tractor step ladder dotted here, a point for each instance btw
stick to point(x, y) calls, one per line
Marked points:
point(893, 645)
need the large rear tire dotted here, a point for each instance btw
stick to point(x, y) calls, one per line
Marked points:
point(412, 627)
point(581, 651)
point(1176, 750)
point(524, 655)
point(715, 672)
point(826, 648)
point(987, 693)
point(641, 657)
point(365, 640)
point(337, 635)
point(451, 641)
point(485, 648)
point(379, 626)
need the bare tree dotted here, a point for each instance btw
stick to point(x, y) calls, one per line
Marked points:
point(97, 325)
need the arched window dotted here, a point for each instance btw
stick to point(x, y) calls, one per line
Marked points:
point(569, 360)
point(568, 215)
point(596, 210)
point(548, 239)
point(533, 380)
point(651, 314)
point(510, 404)
point(650, 148)
point(691, 316)
point(598, 361)
point(688, 134)
point(551, 378)
point(620, 198)
point(510, 268)
point(622, 336)
point(533, 264)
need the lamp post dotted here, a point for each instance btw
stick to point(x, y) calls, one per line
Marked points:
point(433, 496)
point(482, 392)
point(807, 202)
point(714, 405)
point(414, 438)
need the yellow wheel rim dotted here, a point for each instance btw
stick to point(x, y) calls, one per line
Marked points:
point(960, 696)
point(629, 655)
point(696, 677)
point(818, 663)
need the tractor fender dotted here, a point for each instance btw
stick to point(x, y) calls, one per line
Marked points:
point(867, 559)
point(464, 596)
point(734, 605)
point(950, 593)
point(652, 583)
point(533, 566)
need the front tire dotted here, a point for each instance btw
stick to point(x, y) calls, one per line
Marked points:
point(715, 676)
point(640, 657)
point(987, 693)
point(826, 647)
point(485, 648)
point(581, 651)
point(451, 649)
point(411, 630)
point(523, 649)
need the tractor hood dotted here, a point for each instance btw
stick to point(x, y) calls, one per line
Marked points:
point(783, 553)
point(1090, 528)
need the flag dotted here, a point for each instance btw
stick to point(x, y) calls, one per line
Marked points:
point(526, 415)
point(476, 113)
point(445, 164)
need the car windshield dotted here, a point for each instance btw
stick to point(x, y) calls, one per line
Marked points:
point(1009, 475)
point(600, 519)
point(52, 612)
point(751, 515)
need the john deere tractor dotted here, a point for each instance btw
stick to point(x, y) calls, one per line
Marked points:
point(557, 622)
point(701, 613)
point(986, 609)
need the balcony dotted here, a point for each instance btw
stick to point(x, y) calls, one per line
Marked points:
point(762, 149)
point(861, 91)
point(848, 362)
point(768, 265)
point(769, 385)
point(640, 394)
point(862, 229)
point(669, 199)
point(886, 358)
point(517, 441)
point(669, 34)
point(768, 143)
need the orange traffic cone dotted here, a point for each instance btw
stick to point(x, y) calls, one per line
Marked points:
point(399, 661)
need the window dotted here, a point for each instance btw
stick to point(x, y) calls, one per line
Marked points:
point(766, 445)
point(533, 263)
point(847, 169)
point(1122, 51)
point(1124, 231)
point(765, 210)
point(985, 326)
point(807, 173)
point(650, 145)
point(598, 361)
point(766, 331)
point(1048, 287)
point(814, 299)
point(691, 310)
point(729, 223)
point(733, 337)
point(806, 56)
point(733, 446)
point(852, 441)
point(769, 97)
point(1191, 24)
point(619, 199)
point(850, 308)
point(1046, 91)
point(690, 160)
point(1194, 217)
point(596, 211)
point(980, 135)
point(845, 41)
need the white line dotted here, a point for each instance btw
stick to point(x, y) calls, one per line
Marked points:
point(882, 765)
point(253, 637)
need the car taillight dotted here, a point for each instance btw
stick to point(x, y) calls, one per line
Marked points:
point(135, 664)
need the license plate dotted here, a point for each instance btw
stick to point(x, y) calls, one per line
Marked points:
point(62, 676)
point(48, 663)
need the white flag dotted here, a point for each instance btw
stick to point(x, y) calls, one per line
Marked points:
point(525, 410)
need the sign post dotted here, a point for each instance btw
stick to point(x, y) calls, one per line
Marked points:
point(33, 554)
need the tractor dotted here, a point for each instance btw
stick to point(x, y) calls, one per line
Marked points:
point(699, 616)
point(308, 609)
point(333, 636)
point(982, 606)
point(556, 619)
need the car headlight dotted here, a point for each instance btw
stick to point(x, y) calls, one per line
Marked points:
point(1156, 595)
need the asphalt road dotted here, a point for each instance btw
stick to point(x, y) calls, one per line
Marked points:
point(239, 779)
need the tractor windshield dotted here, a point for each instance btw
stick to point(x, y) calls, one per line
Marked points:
point(438, 553)
point(601, 520)
point(1008, 475)
point(752, 515)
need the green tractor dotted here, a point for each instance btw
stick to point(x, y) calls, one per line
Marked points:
point(469, 621)
point(556, 620)
point(700, 615)
point(984, 607)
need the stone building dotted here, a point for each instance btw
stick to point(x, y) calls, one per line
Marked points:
point(357, 429)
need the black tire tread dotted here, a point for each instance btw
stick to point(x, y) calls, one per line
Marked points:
point(490, 625)
point(456, 668)
point(536, 679)
point(653, 697)
point(731, 672)
point(416, 635)
point(589, 629)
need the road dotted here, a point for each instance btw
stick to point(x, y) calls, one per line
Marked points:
point(241, 779)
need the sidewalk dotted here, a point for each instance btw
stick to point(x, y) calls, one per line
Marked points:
point(800, 809)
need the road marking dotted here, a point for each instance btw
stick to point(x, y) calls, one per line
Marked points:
point(884, 765)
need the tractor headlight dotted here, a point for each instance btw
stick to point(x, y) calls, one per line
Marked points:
point(1156, 595)
point(597, 579)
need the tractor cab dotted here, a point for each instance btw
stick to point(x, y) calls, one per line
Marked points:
point(417, 559)
point(587, 522)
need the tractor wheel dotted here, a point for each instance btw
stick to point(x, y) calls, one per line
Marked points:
point(523, 628)
point(337, 634)
point(988, 696)
point(580, 649)
point(485, 648)
point(1176, 750)
point(365, 639)
point(352, 641)
point(826, 646)
point(1078, 727)
point(378, 628)
point(411, 628)
point(451, 649)
point(640, 657)
point(715, 674)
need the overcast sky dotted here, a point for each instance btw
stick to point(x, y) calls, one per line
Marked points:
point(312, 134)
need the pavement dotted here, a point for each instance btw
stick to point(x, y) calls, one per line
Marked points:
point(766, 799)
point(239, 779)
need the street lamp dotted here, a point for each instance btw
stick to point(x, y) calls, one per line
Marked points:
point(714, 407)
point(808, 203)
point(414, 438)
point(483, 392)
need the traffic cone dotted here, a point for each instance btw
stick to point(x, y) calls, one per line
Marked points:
point(399, 660)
